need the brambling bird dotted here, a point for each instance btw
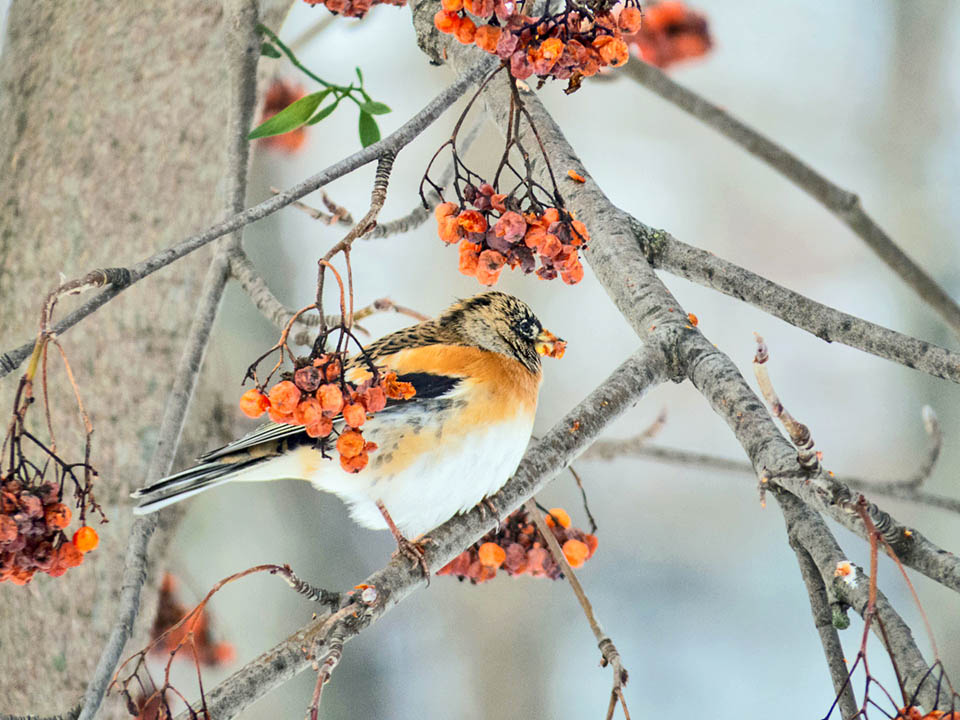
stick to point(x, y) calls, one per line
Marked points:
point(476, 372)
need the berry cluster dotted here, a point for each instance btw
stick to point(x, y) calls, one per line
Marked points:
point(169, 612)
point(32, 520)
point(518, 548)
point(353, 8)
point(914, 713)
point(489, 242)
point(569, 45)
point(316, 393)
point(671, 32)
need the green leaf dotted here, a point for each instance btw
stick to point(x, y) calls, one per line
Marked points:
point(369, 132)
point(323, 113)
point(269, 50)
point(291, 117)
point(374, 108)
point(360, 76)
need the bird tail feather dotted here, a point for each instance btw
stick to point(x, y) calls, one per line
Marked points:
point(188, 483)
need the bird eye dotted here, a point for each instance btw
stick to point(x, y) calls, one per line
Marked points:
point(528, 327)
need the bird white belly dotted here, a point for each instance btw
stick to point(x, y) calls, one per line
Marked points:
point(437, 485)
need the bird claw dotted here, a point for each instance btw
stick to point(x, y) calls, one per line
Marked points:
point(414, 551)
point(487, 504)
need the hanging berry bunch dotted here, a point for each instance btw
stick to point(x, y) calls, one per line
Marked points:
point(568, 45)
point(518, 548)
point(513, 220)
point(353, 8)
point(34, 518)
point(317, 392)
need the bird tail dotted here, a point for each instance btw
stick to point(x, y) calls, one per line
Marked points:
point(188, 483)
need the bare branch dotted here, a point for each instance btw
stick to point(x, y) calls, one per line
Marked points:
point(608, 650)
point(823, 620)
point(544, 459)
point(843, 204)
point(665, 252)
point(337, 215)
point(242, 53)
point(808, 530)
point(395, 141)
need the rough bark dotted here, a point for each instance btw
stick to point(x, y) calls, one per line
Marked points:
point(112, 146)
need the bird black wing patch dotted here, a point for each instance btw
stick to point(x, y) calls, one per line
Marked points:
point(427, 385)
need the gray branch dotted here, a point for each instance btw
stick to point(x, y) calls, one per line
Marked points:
point(843, 204)
point(665, 252)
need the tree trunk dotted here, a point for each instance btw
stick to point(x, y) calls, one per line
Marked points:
point(112, 146)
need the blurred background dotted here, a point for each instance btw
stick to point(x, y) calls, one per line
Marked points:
point(693, 579)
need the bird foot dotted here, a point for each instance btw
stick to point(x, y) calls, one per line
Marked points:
point(487, 504)
point(414, 551)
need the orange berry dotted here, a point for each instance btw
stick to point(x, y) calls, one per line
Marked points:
point(575, 552)
point(279, 417)
point(332, 371)
point(469, 257)
point(612, 50)
point(472, 221)
point(284, 397)
point(466, 31)
point(693, 319)
point(446, 22)
point(630, 20)
point(579, 234)
point(86, 539)
point(592, 542)
point(354, 414)
point(350, 443)
point(397, 389)
point(491, 555)
point(487, 37)
point(573, 275)
point(320, 428)
point(551, 49)
point(331, 399)
point(534, 237)
point(451, 5)
point(448, 229)
point(57, 515)
point(550, 216)
point(8, 529)
point(497, 202)
point(444, 210)
point(254, 403)
point(354, 464)
point(559, 515)
point(575, 176)
point(374, 399)
point(551, 246)
point(308, 412)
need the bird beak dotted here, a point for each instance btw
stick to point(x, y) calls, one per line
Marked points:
point(550, 345)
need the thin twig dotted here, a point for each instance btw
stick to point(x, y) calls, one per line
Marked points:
point(908, 488)
point(829, 639)
point(608, 650)
point(393, 142)
point(339, 216)
point(843, 204)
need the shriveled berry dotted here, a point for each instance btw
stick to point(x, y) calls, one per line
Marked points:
point(397, 389)
point(308, 411)
point(321, 428)
point(446, 21)
point(8, 529)
point(354, 464)
point(284, 397)
point(350, 443)
point(331, 399)
point(472, 221)
point(466, 31)
point(57, 516)
point(354, 415)
point(374, 399)
point(307, 379)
